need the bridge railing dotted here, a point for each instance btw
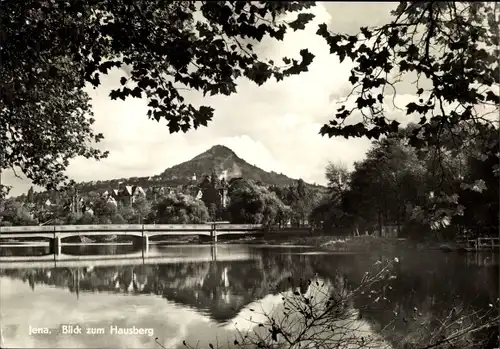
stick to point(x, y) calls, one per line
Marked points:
point(156, 227)
point(27, 229)
point(99, 227)
point(128, 227)
point(229, 227)
point(484, 242)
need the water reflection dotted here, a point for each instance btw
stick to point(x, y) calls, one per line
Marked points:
point(197, 296)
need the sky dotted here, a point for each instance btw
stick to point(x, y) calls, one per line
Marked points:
point(274, 126)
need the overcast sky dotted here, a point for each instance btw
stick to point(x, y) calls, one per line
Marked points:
point(274, 126)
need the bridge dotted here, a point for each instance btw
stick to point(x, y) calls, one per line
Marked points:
point(143, 231)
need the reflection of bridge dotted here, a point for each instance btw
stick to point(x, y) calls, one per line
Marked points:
point(144, 231)
point(199, 254)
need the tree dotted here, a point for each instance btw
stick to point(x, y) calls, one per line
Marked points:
point(117, 219)
point(178, 209)
point(250, 203)
point(56, 212)
point(325, 214)
point(303, 202)
point(128, 213)
point(212, 211)
point(329, 211)
point(461, 186)
point(30, 198)
point(278, 190)
point(301, 188)
point(92, 196)
point(4, 191)
point(51, 50)
point(73, 218)
point(88, 218)
point(387, 184)
point(104, 210)
point(480, 200)
point(452, 49)
point(14, 213)
point(142, 208)
point(337, 176)
point(299, 198)
point(385, 188)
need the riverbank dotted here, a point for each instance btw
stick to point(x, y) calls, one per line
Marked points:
point(330, 243)
point(362, 243)
point(350, 243)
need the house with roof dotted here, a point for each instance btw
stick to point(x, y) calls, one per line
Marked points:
point(199, 194)
point(138, 193)
point(88, 210)
point(111, 200)
point(156, 192)
point(125, 194)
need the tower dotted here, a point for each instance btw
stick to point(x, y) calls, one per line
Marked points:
point(223, 192)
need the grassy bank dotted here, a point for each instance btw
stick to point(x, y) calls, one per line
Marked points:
point(354, 244)
point(349, 244)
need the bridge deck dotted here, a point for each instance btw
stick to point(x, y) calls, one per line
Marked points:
point(139, 230)
point(128, 227)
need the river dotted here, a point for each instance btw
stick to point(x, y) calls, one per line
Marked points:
point(202, 295)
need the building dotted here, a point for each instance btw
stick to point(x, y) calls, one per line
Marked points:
point(125, 195)
point(223, 192)
point(213, 190)
point(111, 200)
point(138, 193)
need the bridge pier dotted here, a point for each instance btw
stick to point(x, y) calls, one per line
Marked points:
point(213, 234)
point(55, 245)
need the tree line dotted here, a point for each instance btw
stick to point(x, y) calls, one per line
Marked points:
point(248, 202)
point(425, 192)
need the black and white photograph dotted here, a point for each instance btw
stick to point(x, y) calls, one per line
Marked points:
point(249, 174)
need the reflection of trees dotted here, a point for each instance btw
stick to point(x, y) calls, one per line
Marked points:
point(25, 251)
point(220, 288)
point(425, 291)
point(432, 284)
point(65, 277)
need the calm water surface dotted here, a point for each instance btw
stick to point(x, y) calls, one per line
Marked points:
point(201, 294)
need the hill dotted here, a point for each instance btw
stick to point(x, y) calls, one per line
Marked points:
point(218, 159)
point(222, 159)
